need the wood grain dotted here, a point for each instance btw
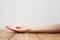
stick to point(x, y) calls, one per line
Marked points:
point(25, 36)
point(49, 36)
point(5, 34)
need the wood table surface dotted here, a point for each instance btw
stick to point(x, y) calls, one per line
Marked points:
point(9, 35)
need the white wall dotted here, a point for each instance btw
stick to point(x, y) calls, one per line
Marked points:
point(29, 12)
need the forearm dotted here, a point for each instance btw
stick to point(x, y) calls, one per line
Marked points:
point(49, 28)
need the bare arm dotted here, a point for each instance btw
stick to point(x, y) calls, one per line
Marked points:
point(49, 28)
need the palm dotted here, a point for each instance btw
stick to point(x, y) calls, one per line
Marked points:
point(18, 29)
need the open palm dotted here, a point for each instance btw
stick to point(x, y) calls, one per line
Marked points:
point(18, 29)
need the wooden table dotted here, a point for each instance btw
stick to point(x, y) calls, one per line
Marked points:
point(9, 35)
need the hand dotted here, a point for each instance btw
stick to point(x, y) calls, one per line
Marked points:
point(18, 29)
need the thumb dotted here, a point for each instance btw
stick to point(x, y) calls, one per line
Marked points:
point(18, 27)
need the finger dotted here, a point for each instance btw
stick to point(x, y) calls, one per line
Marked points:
point(13, 29)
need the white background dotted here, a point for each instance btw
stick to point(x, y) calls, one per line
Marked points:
point(29, 12)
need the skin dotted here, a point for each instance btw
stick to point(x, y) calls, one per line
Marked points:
point(49, 28)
